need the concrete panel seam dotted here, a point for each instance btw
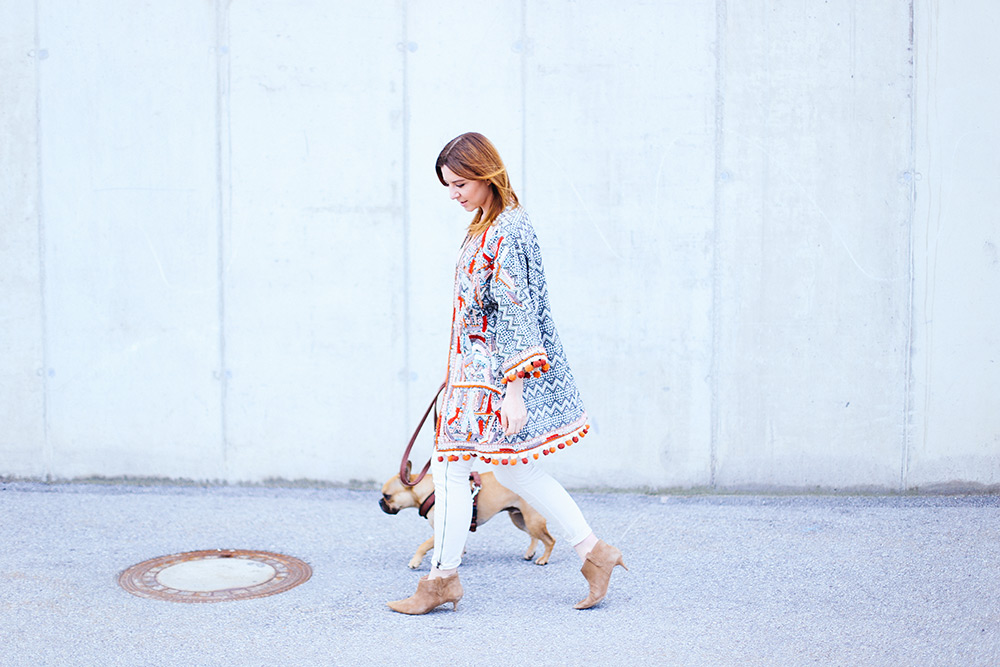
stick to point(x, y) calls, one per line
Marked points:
point(720, 27)
point(524, 98)
point(48, 452)
point(933, 211)
point(223, 149)
point(904, 464)
point(406, 212)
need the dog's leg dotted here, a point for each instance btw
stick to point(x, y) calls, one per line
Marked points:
point(421, 552)
point(530, 553)
point(536, 527)
point(549, 542)
point(518, 520)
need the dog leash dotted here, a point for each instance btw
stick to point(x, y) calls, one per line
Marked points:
point(405, 466)
point(477, 484)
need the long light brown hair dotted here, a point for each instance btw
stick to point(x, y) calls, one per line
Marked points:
point(472, 156)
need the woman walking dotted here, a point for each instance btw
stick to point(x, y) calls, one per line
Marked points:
point(510, 398)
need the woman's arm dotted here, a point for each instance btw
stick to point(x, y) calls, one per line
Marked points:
point(513, 414)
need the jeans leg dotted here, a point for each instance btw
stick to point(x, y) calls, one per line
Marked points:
point(548, 496)
point(452, 512)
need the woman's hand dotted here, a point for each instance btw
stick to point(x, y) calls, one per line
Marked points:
point(513, 414)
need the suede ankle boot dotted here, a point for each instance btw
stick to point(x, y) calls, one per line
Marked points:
point(597, 568)
point(431, 593)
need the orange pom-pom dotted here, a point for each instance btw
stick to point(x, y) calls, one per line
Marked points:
point(546, 368)
point(466, 457)
point(536, 456)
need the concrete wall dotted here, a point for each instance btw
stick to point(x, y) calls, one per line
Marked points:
point(954, 413)
point(770, 231)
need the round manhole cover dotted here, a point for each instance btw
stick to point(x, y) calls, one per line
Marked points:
point(216, 575)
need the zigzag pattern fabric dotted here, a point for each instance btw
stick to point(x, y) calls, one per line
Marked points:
point(502, 329)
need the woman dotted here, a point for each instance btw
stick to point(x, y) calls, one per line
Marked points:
point(510, 398)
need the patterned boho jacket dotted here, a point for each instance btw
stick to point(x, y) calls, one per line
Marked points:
point(502, 328)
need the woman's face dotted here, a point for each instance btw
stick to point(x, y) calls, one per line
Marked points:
point(471, 194)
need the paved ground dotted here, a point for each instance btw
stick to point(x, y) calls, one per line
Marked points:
point(715, 580)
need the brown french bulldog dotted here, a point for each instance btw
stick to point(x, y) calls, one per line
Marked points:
point(492, 498)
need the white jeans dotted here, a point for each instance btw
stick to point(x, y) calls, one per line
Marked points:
point(453, 506)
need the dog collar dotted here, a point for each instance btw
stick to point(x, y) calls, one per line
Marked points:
point(427, 505)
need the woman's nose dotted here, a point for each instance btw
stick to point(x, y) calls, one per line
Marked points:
point(454, 193)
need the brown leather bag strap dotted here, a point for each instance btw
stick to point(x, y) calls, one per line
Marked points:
point(405, 466)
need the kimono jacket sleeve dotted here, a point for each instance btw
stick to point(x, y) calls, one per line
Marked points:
point(519, 349)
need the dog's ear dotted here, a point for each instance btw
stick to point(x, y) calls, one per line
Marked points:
point(409, 470)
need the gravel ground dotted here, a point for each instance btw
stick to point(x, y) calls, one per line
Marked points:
point(714, 580)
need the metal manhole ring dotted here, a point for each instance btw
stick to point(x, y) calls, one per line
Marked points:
point(214, 575)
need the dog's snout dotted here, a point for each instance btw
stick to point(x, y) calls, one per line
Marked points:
point(385, 506)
